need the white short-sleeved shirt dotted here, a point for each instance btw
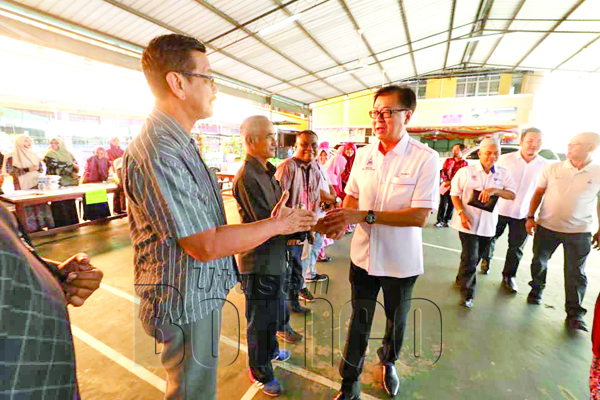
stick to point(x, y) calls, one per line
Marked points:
point(406, 177)
point(473, 177)
point(569, 203)
point(525, 175)
point(325, 182)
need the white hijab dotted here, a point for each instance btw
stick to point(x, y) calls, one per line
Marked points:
point(23, 157)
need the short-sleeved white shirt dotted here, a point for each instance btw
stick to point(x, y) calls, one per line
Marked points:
point(569, 203)
point(325, 182)
point(473, 177)
point(525, 175)
point(406, 177)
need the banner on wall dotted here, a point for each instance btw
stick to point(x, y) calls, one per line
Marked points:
point(493, 116)
point(452, 119)
point(338, 135)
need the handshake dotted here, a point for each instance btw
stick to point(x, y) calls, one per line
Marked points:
point(333, 223)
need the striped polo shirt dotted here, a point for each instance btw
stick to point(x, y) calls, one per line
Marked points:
point(172, 194)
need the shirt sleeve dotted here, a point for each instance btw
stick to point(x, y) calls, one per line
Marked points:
point(249, 196)
point(165, 190)
point(284, 176)
point(445, 170)
point(544, 177)
point(509, 183)
point(458, 182)
point(427, 188)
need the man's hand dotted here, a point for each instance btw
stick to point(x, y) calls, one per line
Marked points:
point(82, 278)
point(485, 195)
point(596, 241)
point(292, 220)
point(34, 168)
point(530, 226)
point(335, 222)
point(465, 221)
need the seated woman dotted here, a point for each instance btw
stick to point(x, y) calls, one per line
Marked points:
point(25, 167)
point(96, 171)
point(115, 153)
point(59, 161)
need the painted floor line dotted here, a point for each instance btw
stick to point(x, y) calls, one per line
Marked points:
point(232, 343)
point(250, 393)
point(120, 359)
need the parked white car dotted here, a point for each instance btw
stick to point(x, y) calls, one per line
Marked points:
point(472, 158)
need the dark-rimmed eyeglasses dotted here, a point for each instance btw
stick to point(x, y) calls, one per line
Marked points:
point(374, 114)
point(209, 77)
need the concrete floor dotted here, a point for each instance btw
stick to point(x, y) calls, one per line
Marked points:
point(502, 349)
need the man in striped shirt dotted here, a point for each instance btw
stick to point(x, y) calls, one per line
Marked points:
point(183, 248)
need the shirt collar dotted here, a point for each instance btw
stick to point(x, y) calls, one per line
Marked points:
point(181, 136)
point(270, 169)
point(479, 168)
point(400, 148)
point(303, 165)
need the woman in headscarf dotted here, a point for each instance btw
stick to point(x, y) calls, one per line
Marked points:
point(115, 150)
point(25, 167)
point(119, 203)
point(96, 171)
point(334, 167)
point(59, 161)
point(349, 154)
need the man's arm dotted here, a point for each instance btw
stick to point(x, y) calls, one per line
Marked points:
point(596, 238)
point(530, 224)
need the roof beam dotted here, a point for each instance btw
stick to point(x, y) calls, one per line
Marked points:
point(450, 32)
point(515, 13)
point(319, 45)
point(148, 18)
point(364, 39)
point(577, 52)
point(407, 32)
point(484, 13)
point(575, 7)
point(226, 17)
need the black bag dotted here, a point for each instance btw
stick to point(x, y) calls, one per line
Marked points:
point(489, 206)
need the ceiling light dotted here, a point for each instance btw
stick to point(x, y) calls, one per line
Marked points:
point(279, 24)
point(342, 74)
point(480, 37)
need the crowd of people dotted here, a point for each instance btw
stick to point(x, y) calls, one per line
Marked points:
point(25, 167)
point(184, 265)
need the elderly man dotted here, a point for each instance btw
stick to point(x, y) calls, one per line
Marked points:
point(300, 175)
point(38, 358)
point(392, 190)
point(450, 168)
point(264, 268)
point(568, 192)
point(473, 188)
point(525, 167)
point(183, 248)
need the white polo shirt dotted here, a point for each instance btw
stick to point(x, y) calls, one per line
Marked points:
point(525, 175)
point(473, 177)
point(406, 177)
point(569, 203)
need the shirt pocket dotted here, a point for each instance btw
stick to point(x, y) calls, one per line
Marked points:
point(401, 191)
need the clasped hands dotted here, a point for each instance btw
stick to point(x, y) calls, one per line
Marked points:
point(82, 279)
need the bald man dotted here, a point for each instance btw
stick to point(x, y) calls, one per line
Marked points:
point(476, 226)
point(264, 268)
point(568, 192)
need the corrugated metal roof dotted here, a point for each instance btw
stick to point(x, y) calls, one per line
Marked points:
point(295, 59)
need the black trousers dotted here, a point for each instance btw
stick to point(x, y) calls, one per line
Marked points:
point(266, 314)
point(472, 247)
point(517, 237)
point(576, 247)
point(445, 209)
point(396, 296)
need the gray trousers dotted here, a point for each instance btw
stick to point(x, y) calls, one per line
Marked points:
point(190, 356)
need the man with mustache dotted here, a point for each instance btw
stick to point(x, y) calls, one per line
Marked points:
point(182, 244)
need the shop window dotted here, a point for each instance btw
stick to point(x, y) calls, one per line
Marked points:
point(482, 85)
point(419, 87)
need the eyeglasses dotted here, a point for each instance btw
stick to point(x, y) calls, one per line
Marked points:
point(209, 77)
point(374, 114)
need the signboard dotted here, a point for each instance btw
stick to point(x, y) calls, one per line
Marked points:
point(493, 116)
point(452, 119)
point(96, 196)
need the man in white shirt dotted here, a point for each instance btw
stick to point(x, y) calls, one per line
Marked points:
point(525, 167)
point(391, 191)
point(476, 227)
point(570, 191)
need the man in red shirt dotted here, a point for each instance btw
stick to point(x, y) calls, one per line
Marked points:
point(451, 166)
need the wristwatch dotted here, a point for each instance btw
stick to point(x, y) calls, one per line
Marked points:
point(370, 218)
point(530, 217)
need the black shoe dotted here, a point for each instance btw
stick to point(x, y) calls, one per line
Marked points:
point(485, 267)
point(576, 324)
point(317, 278)
point(341, 395)
point(466, 303)
point(509, 284)
point(306, 295)
point(326, 259)
point(534, 298)
point(289, 336)
point(345, 393)
point(444, 224)
point(390, 380)
point(297, 308)
point(439, 225)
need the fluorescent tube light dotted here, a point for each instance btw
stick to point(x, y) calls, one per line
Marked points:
point(279, 24)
